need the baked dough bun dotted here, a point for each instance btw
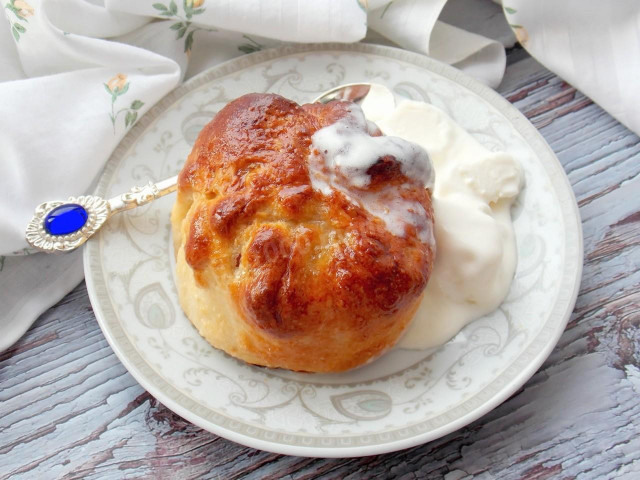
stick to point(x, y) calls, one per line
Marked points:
point(276, 273)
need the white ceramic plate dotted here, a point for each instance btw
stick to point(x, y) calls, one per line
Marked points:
point(406, 397)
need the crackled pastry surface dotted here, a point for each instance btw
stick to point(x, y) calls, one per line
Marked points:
point(279, 261)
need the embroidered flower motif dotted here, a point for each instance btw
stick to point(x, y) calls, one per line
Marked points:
point(117, 83)
point(24, 9)
point(116, 87)
point(521, 33)
point(21, 10)
point(184, 28)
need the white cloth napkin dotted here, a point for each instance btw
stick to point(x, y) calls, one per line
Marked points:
point(75, 75)
point(592, 44)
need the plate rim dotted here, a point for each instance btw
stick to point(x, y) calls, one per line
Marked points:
point(567, 295)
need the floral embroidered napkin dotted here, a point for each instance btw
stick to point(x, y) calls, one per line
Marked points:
point(76, 75)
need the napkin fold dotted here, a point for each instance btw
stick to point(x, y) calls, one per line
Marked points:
point(593, 45)
point(31, 284)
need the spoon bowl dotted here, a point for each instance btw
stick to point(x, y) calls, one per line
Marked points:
point(349, 92)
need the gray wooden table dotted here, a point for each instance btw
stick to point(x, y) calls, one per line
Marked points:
point(69, 409)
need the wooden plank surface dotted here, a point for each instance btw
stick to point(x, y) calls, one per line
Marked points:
point(69, 409)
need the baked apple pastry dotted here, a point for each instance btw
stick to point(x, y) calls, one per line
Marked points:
point(303, 236)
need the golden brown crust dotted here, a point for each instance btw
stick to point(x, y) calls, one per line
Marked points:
point(316, 282)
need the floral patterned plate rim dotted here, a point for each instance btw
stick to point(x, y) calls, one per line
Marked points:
point(406, 397)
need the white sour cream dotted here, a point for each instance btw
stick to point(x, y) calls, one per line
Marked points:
point(472, 198)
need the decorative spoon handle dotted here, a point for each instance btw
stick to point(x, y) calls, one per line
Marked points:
point(63, 226)
point(138, 196)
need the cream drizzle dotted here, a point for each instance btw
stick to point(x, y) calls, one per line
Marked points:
point(343, 154)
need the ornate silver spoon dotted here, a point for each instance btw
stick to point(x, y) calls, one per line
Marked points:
point(62, 226)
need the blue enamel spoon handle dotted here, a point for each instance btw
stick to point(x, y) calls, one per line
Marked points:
point(59, 226)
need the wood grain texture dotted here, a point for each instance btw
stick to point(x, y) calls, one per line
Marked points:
point(69, 409)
